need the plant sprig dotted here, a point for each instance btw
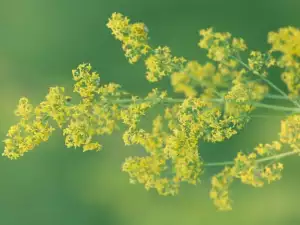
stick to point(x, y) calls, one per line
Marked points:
point(218, 98)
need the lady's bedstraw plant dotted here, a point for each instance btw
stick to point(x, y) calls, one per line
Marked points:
point(219, 98)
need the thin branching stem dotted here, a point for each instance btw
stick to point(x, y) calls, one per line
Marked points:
point(178, 100)
point(270, 83)
point(265, 159)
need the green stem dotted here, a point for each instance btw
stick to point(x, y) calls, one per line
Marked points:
point(270, 83)
point(176, 100)
point(276, 97)
point(275, 157)
point(266, 116)
point(275, 107)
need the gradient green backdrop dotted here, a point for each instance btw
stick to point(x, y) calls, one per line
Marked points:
point(42, 40)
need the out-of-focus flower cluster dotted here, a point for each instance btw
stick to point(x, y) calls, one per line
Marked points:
point(286, 42)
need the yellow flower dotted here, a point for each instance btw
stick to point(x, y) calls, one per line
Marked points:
point(134, 37)
point(24, 109)
point(219, 97)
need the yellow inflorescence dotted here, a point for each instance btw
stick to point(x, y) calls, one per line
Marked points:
point(286, 41)
point(259, 62)
point(217, 100)
point(290, 131)
point(247, 169)
point(193, 75)
point(28, 133)
point(134, 37)
point(161, 63)
point(220, 46)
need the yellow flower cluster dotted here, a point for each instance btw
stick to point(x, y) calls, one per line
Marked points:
point(55, 106)
point(259, 62)
point(161, 63)
point(87, 82)
point(148, 169)
point(169, 164)
point(239, 97)
point(287, 42)
point(219, 192)
point(195, 75)
point(290, 131)
point(94, 115)
point(24, 109)
point(218, 99)
point(28, 133)
point(220, 46)
point(210, 122)
point(134, 37)
point(249, 170)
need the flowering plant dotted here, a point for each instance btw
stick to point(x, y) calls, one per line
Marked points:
point(217, 99)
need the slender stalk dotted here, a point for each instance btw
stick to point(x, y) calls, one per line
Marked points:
point(276, 97)
point(266, 116)
point(265, 159)
point(176, 100)
point(270, 83)
point(275, 107)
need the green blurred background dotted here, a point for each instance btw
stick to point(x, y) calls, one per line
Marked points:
point(41, 41)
